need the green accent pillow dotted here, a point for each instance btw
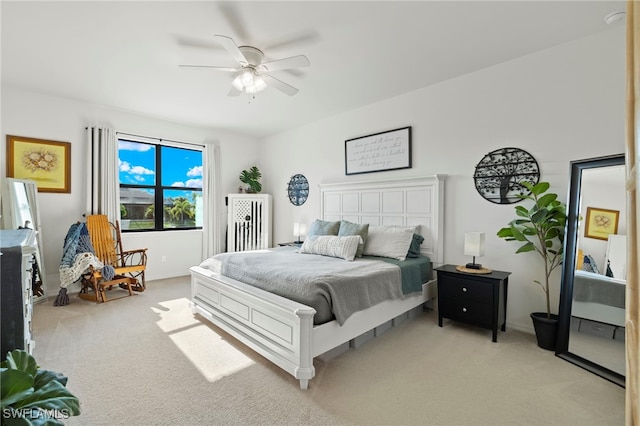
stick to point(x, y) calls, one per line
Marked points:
point(350, 228)
point(414, 247)
point(323, 227)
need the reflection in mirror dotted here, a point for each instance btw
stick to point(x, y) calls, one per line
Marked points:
point(20, 210)
point(591, 329)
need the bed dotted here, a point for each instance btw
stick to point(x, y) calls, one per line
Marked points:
point(283, 330)
point(599, 298)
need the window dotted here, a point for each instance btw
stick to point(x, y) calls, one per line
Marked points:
point(159, 178)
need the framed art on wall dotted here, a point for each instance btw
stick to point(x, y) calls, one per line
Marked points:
point(390, 150)
point(46, 162)
point(600, 223)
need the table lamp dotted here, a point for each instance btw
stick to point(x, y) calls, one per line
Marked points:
point(474, 246)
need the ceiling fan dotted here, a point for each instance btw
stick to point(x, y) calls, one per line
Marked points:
point(251, 74)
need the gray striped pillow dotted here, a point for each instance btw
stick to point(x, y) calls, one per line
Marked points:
point(333, 246)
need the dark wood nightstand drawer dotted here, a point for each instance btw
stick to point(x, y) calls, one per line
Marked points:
point(470, 311)
point(478, 299)
point(452, 286)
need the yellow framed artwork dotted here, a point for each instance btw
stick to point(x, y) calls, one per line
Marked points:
point(48, 163)
point(601, 222)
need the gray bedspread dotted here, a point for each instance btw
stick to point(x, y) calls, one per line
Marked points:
point(596, 288)
point(333, 287)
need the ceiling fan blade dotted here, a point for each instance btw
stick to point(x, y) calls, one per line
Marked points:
point(209, 67)
point(197, 42)
point(233, 16)
point(286, 63)
point(232, 47)
point(280, 85)
point(293, 39)
point(234, 92)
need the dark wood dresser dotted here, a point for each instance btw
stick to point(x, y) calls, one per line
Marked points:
point(477, 299)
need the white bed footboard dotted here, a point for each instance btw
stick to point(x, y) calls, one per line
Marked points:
point(277, 328)
point(280, 329)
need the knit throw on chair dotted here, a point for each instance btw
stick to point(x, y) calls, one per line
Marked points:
point(78, 254)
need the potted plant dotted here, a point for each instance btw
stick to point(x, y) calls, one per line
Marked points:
point(541, 229)
point(252, 177)
point(31, 396)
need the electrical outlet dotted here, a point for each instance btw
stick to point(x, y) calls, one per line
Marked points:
point(164, 258)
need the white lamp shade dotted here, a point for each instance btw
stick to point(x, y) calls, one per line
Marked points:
point(299, 229)
point(474, 244)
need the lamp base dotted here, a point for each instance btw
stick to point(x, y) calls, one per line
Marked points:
point(473, 266)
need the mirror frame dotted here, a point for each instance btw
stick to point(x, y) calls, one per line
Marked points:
point(569, 262)
point(9, 220)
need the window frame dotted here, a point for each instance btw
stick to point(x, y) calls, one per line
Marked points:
point(157, 188)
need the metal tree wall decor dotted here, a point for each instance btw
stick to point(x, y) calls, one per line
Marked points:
point(499, 175)
point(298, 189)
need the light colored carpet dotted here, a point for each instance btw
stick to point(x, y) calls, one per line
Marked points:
point(146, 360)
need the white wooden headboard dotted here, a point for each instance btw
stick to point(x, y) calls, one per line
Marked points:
point(407, 202)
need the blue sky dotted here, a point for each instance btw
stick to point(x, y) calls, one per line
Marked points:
point(180, 168)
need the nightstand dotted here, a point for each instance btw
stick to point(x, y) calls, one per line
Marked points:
point(476, 299)
point(290, 244)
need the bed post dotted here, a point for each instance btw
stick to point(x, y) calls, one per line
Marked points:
point(305, 369)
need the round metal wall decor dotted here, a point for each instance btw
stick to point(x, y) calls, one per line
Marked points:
point(298, 189)
point(499, 175)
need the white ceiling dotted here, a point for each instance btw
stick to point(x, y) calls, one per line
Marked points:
point(126, 54)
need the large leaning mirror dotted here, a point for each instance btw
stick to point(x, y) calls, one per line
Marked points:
point(20, 210)
point(591, 331)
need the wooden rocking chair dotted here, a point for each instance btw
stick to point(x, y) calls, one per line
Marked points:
point(129, 266)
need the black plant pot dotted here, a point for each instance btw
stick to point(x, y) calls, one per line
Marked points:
point(546, 329)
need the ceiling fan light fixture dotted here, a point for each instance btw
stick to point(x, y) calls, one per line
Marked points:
point(249, 81)
point(259, 84)
point(237, 82)
point(247, 77)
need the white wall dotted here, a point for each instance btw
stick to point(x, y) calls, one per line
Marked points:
point(560, 104)
point(45, 117)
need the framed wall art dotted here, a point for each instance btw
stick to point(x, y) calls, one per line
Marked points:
point(46, 162)
point(390, 150)
point(600, 223)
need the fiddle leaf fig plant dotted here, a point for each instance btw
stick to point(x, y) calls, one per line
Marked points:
point(252, 177)
point(30, 396)
point(540, 229)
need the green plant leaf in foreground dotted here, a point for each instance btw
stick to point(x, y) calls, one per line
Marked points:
point(30, 396)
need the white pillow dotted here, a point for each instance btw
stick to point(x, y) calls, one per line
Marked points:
point(331, 245)
point(389, 241)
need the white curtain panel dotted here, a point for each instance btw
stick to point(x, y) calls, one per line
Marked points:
point(211, 231)
point(633, 215)
point(103, 183)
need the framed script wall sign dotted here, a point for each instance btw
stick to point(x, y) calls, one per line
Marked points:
point(46, 162)
point(382, 151)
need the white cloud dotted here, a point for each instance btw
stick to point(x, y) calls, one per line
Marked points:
point(180, 184)
point(136, 170)
point(134, 146)
point(194, 183)
point(139, 170)
point(195, 171)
